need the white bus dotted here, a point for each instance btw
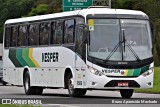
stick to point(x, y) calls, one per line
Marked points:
point(89, 49)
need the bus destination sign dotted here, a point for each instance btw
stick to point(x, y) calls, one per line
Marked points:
point(69, 5)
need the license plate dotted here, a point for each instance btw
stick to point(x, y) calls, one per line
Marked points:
point(122, 84)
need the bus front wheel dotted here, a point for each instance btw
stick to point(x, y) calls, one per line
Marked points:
point(29, 90)
point(72, 91)
point(126, 93)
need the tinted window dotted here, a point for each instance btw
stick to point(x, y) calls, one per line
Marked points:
point(79, 39)
point(59, 32)
point(44, 33)
point(13, 36)
point(69, 31)
point(33, 35)
point(79, 20)
point(7, 36)
point(22, 36)
point(53, 31)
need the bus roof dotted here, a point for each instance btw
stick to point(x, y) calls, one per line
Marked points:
point(83, 12)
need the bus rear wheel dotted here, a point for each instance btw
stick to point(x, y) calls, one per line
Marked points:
point(4, 83)
point(126, 93)
point(72, 91)
point(29, 90)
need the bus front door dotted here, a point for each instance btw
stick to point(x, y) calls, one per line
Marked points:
point(80, 57)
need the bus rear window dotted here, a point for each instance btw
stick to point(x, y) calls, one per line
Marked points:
point(44, 33)
point(59, 32)
point(53, 31)
point(69, 31)
point(22, 35)
point(33, 39)
point(13, 39)
point(7, 36)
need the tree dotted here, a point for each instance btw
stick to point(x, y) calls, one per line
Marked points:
point(10, 9)
point(123, 4)
point(54, 5)
point(41, 9)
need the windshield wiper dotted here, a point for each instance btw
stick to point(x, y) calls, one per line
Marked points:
point(129, 46)
point(114, 50)
point(133, 52)
point(120, 43)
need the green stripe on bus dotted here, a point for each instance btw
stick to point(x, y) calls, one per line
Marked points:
point(144, 69)
point(25, 56)
point(130, 73)
point(20, 58)
point(136, 72)
point(13, 58)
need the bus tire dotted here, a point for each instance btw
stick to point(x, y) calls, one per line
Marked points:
point(126, 93)
point(39, 90)
point(82, 91)
point(71, 90)
point(28, 89)
point(4, 83)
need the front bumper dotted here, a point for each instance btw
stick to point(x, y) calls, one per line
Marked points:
point(104, 82)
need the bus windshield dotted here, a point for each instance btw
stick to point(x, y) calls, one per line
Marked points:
point(105, 35)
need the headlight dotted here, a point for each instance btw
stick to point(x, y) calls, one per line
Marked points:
point(94, 71)
point(150, 71)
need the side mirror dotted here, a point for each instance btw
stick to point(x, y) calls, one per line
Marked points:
point(153, 33)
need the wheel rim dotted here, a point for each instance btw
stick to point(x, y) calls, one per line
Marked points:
point(26, 84)
point(70, 85)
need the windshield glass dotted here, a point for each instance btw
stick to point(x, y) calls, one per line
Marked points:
point(105, 36)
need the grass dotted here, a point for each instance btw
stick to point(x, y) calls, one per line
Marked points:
point(156, 86)
point(6, 105)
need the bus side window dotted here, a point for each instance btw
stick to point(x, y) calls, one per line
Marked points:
point(69, 31)
point(59, 32)
point(44, 33)
point(79, 20)
point(33, 35)
point(7, 36)
point(22, 35)
point(13, 39)
point(53, 31)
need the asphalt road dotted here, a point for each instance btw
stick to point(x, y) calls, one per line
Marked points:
point(60, 98)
